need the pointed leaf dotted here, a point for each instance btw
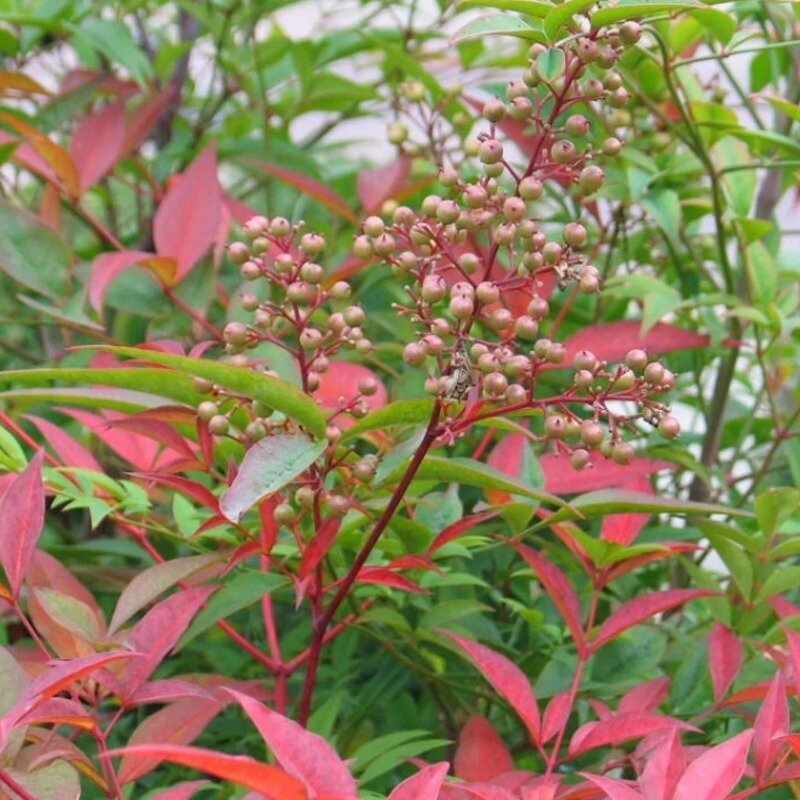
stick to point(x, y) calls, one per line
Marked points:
point(106, 268)
point(97, 144)
point(21, 522)
point(267, 467)
point(187, 219)
point(621, 728)
point(273, 392)
point(181, 791)
point(178, 723)
point(274, 783)
point(375, 186)
point(70, 452)
point(556, 715)
point(714, 774)
point(424, 785)
point(664, 767)
point(480, 754)
point(724, 659)
point(641, 608)
point(146, 586)
point(508, 680)
point(770, 728)
point(558, 589)
point(647, 696)
point(614, 789)
point(561, 478)
point(304, 754)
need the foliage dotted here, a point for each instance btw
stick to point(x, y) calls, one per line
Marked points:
point(465, 468)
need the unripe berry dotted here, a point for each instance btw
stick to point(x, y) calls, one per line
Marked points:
point(630, 32)
point(591, 178)
point(579, 459)
point(363, 346)
point(462, 288)
point(577, 125)
point(667, 381)
point(669, 427)
point(563, 152)
point(206, 410)
point(448, 211)
point(495, 384)
point(414, 354)
point(520, 108)
point(516, 89)
point(310, 339)
point(622, 453)
point(336, 322)
point(552, 252)
point(491, 151)
point(202, 385)
point(304, 497)
point(516, 394)
point(505, 234)
point(586, 50)
point(612, 146)
point(354, 315)
point(556, 353)
point(636, 360)
point(589, 285)
point(284, 263)
point(235, 333)
point(555, 426)
point(494, 110)
point(526, 327)
point(584, 378)
point(284, 512)
point(433, 385)
point(413, 90)
point(433, 288)
point(487, 292)
point(260, 245)
point(606, 57)
point(312, 243)
point(218, 424)
point(612, 81)
point(469, 262)
point(593, 89)
point(433, 344)
point(516, 366)
point(592, 433)
point(585, 359)
point(280, 227)
point(250, 270)
point(530, 188)
point(373, 226)
point(340, 290)
point(500, 320)
point(406, 261)
point(461, 306)
point(255, 431)
point(575, 234)
point(475, 196)
point(625, 380)
point(538, 308)
point(249, 302)
point(396, 133)
point(312, 381)
point(654, 373)
point(238, 252)
point(541, 346)
point(255, 226)
point(298, 292)
point(311, 272)
point(619, 98)
point(262, 318)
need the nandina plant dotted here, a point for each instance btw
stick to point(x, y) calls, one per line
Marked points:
point(297, 517)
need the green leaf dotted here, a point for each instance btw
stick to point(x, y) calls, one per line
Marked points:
point(784, 578)
point(239, 592)
point(551, 64)
point(116, 400)
point(273, 392)
point(718, 22)
point(620, 501)
point(32, 253)
point(12, 456)
point(495, 25)
point(561, 14)
point(398, 456)
point(740, 186)
point(401, 412)
point(659, 298)
point(665, 208)
point(267, 467)
point(533, 8)
point(737, 562)
point(792, 110)
point(475, 473)
point(114, 40)
point(774, 506)
point(762, 273)
point(612, 14)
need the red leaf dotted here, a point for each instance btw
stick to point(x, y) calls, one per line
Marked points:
point(480, 754)
point(313, 188)
point(158, 631)
point(70, 452)
point(793, 640)
point(641, 608)
point(143, 118)
point(507, 456)
point(610, 341)
point(181, 791)
point(425, 785)
point(187, 219)
point(555, 715)
point(320, 545)
point(167, 690)
point(382, 576)
point(663, 768)
point(178, 723)
point(507, 679)
point(621, 728)
point(339, 386)
point(192, 489)
point(375, 186)
point(714, 774)
point(304, 754)
point(647, 696)
point(275, 783)
point(106, 268)
point(770, 728)
point(724, 659)
point(97, 144)
point(624, 528)
point(614, 789)
point(558, 589)
point(464, 525)
point(21, 522)
point(561, 478)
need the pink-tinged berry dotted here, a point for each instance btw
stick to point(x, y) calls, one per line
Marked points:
point(373, 226)
point(494, 110)
point(250, 270)
point(284, 513)
point(577, 125)
point(585, 359)
point(238, 253)
point(218, 424)
point(520, 108)
point(612, 146)
point(563, 152)
point(495, 384)
point(530, 188)
point(280, 227)
point(462, 306)
point(235, 333)
point(354, 315)
point(592, 433)
point(514, 209)
point(487, 293)
point(526, 327)
point(340, 290)
point(255, 226)
point(669, 427)
point(622, 453)
point(591, 178)
point(636, 360)
point(516, 394)
point(538, 308)
point(579, 459)
point(490, 151)
point(575, 234)
point(555, 426)
point(414, 354)
point(630, 32)
point(654, 373)
point(396, 133)
point(207, 410)
point(433, 288)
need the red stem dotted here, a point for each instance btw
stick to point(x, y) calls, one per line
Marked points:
point(321, 624)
